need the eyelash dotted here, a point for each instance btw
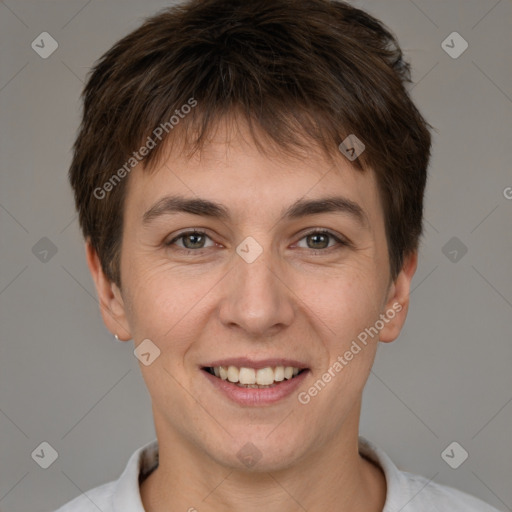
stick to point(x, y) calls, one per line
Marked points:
point(341, 242)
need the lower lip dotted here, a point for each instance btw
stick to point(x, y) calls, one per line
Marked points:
point(256, 396)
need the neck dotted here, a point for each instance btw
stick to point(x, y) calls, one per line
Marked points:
point(334, 477)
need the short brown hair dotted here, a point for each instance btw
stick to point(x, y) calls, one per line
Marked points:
point(299, 70)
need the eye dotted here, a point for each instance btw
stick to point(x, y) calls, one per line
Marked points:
point(318, 240)
point(191, 240)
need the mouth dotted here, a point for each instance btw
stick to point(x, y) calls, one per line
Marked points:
point(255, 383)
point(255, 378)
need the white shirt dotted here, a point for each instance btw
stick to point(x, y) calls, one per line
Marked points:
point(406, 492)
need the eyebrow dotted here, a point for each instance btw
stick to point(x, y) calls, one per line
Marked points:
point(169, 205)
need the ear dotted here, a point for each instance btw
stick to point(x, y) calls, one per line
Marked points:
point(397, 302)
point(111, 302)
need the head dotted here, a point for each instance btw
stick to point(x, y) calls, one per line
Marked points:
point(236, 111)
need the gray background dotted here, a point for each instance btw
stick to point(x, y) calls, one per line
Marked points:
point(447, 378)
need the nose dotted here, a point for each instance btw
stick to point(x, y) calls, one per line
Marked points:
point(257, 298)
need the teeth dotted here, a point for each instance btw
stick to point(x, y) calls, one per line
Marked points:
point(288, 372)
point(279, 373)
point(247, 376)
point(233, 373)
point(253, 378)
point(264, 376)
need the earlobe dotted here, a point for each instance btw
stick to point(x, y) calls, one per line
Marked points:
point(397, 304)
point(109, 296)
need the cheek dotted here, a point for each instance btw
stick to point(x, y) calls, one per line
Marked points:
point(165, 301)
point(344, 315)
point(343, 312)
point(344, 303)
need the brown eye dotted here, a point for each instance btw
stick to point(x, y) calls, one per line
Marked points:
point(196, 241)
point(190, 240)
point(320, 240)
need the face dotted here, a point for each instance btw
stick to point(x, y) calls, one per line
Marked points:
point(266, 275)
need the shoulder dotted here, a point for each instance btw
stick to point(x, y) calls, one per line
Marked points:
point(122, 494)
point(99, 498)
point(425, 496)
point(408, 492)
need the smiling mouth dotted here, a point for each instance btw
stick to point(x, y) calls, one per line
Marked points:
point(243, 377)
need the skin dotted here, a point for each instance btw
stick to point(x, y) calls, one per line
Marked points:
point(289, 302)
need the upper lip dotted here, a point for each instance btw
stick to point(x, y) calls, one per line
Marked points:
point(251, 363)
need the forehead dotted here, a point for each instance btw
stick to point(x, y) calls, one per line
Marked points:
point(230, 170)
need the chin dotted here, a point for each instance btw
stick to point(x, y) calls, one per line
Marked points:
point(259, 452)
